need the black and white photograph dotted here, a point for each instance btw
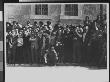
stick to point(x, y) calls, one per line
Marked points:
point(56, 35)
point(66, 42)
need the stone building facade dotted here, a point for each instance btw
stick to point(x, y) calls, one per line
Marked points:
point(56, 12)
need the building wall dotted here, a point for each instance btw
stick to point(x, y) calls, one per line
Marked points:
point(53, 14)
point(18, 13)
point(22, 13)
point(91, 10)
point(104, 9)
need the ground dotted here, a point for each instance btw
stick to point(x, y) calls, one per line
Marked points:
point(56, 74)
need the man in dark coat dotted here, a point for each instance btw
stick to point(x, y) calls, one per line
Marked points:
point(86, 38)
point(68, 46)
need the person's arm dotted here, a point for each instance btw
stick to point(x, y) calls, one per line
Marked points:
point(96, 28)
point(76, 30)
point(20, 41)
point(32, 39)
point(10, 44)
point(56, 54)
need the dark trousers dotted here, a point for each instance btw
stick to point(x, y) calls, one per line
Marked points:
point(77, 51)
point(19, 55)
point(60, 52)
point(85, 54)
point(40, 56)
point(12, 55)
point(27, 55)
point(8, 56)
point(96, 53)
point(68, 50)
point(34, 54)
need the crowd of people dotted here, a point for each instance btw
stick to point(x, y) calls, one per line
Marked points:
point(49, 45)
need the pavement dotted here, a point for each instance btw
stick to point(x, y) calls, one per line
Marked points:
point(59, 65)
point(56, 74)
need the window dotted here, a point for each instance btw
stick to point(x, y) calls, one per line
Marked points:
point(41, 9)
point(71, 9)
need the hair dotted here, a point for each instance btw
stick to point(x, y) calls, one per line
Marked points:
point(14, 22)
point(40, 22)
point(35, 22)
point(48, 22)
point(28, 22)
point(87, 17)
point(8, 23)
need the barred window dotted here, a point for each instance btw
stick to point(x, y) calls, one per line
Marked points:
point(41, 9)
point(71, 9)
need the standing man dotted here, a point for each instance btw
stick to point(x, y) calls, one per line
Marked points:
point(97, 41)
point(34, 46)
point(77, 45)
point(86, 38)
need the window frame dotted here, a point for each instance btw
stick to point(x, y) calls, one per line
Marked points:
point(68, 10)
point(63, 16)
point(41, 9)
